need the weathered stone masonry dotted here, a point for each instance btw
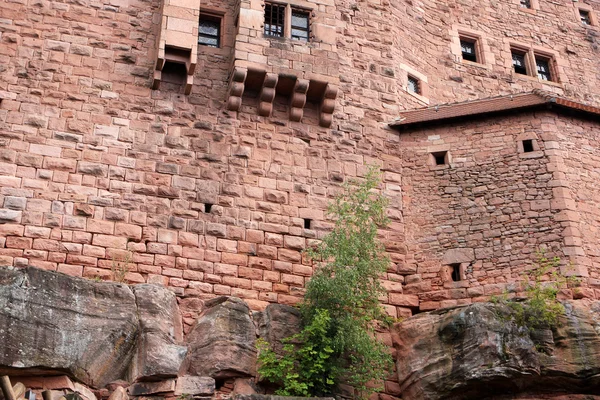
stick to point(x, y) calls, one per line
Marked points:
point(218, 191)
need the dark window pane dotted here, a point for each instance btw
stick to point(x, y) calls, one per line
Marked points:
point(413, 85)
point(525, 3)
point(518, 60)
point(468, 50)
point(209, 31)
point(585, 17)
point(543, 69)
point(274, 20)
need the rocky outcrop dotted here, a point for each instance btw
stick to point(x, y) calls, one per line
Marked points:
point(277, 322)
point(160, 323)
point(221, 344)
point(477, 352)
point(91, 330)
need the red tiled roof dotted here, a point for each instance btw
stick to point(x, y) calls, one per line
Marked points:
point(489, 105)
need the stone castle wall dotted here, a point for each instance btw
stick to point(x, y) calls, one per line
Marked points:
point(96, 166)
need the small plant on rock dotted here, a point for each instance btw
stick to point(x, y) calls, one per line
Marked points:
point(541, 309)
point(120, 269)
point(341, 308)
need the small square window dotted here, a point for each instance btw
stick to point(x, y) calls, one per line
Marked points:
point(209, 31)
point(468, 48)
point(585, 17)
point(525, 3)
point(543, 68)
point(527, 145)
point(440, 158)
point(274, 20)
point(518, 62)
point(412, 85)
point(300, 25)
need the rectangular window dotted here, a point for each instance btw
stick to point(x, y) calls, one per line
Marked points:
point(543, 68)
point(525, 3)
point(300, 26)
point(518, 62)
point(274, 20)
point(413, 85)
point(209, 31)
point(584, 15)
point(468, 47)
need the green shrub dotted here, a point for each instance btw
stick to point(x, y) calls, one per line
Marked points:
point(341, 308)
point(541, 309)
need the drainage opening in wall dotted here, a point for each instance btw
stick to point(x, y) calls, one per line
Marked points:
point(527, 145)
point(455, 272)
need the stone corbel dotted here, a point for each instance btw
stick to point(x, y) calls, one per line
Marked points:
point(298, 99)
point(327, 105)
point(267, 95)
point(236, 89)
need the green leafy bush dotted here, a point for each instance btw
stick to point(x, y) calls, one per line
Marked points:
point(341, 308)
point(541, 309)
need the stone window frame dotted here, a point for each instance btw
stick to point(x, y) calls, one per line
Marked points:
point(531, 53)
point(287, 20)
point(214, 16)
point(407, 71)
point(577, 7)
point(431, 157)
point(535, 5)
point(535, 142)
point(223, 41)
point(485, 56)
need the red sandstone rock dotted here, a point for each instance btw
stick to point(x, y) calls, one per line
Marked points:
point(221, 344)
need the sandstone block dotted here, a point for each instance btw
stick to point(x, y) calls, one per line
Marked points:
point(195, 385)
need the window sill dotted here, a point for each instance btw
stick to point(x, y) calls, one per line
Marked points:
point(419, 97)
point(475, 64)
point(536, 79)
point(530, 11)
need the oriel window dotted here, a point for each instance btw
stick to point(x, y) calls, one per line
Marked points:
point(209, 31)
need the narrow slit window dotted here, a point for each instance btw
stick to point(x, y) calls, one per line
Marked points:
point(525, 3)
point(527, 145)
point(518, 62)
point(300, 25)
point(412, 85)
point(207, 207)
point(440, 157)
point(543, 68)
point(584, 15)
point(307, 223)
point(455, 272)
point(274, 20)
point(209, 31)
point(468, 49)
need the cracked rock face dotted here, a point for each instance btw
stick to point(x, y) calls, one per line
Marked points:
point(477, 352)
point(221, 344)
point(93, 331)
